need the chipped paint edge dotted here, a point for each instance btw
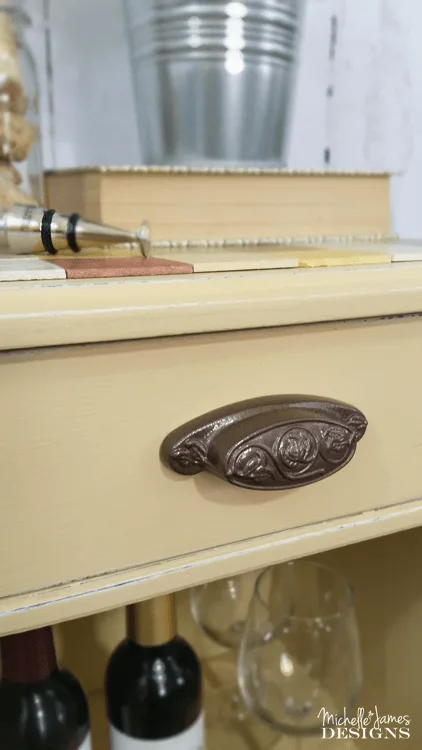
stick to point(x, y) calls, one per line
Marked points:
point(93, 595)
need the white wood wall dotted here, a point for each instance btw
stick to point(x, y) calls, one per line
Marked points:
point(373, 120)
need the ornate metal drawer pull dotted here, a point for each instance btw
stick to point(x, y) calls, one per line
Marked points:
point(269, 443)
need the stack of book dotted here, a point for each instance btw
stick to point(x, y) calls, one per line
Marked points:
point(213, 204)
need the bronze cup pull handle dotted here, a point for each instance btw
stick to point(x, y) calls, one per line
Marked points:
point(269, 443)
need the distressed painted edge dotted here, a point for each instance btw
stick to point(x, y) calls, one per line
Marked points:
point(115, 589)
point(59, 313)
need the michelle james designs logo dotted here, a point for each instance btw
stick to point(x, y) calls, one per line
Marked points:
point(365, 725)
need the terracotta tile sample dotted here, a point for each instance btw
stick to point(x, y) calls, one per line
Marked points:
point(100, 268)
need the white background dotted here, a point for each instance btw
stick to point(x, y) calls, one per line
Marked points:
point(373, 121)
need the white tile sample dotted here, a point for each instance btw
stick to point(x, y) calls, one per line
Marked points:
point(29, 268)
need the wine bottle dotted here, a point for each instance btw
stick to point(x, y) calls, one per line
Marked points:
point(41, 707)
point(153, 684)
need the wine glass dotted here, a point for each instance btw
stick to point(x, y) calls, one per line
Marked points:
point(220, 609)
point(300, 651)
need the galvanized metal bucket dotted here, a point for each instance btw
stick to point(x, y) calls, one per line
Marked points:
point(213, 80)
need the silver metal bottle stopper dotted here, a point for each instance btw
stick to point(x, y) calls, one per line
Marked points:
point(29, 229)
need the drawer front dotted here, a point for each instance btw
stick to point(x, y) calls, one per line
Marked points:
point(84, 491)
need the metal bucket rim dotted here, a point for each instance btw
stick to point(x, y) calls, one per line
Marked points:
point(208, 54)
point(158, 23)
point(253, 16)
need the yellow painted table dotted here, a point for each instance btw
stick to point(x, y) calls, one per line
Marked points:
point(94, 375)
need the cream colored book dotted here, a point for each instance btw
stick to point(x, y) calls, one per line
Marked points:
point(188, 204)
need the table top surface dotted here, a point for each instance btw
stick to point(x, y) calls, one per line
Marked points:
point(64, 312)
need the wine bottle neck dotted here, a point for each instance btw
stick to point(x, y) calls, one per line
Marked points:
point(152, 623)
point(28, 657)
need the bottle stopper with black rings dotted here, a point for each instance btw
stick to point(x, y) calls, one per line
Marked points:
point(71, 237)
